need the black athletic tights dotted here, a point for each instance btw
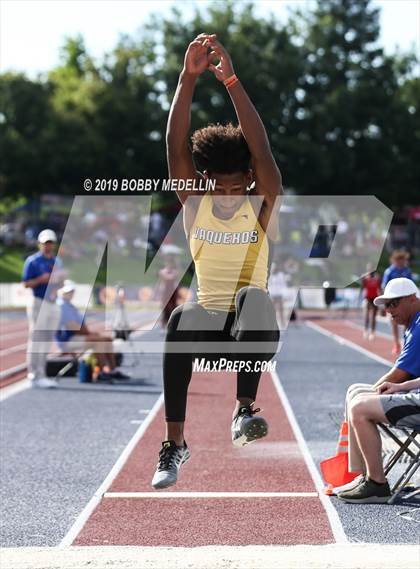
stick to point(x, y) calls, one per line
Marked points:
point(192, 329)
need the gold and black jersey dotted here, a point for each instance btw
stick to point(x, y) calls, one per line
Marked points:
point(228, 254)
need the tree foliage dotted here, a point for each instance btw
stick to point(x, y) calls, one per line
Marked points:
point(342, 116)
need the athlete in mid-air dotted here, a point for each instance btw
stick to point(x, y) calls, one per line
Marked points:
point(229, 230)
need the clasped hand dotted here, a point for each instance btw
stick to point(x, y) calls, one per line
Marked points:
point(387, 387)
point(202, 52)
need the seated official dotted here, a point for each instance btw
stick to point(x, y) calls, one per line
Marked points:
point(394, 399)
point(73, 335)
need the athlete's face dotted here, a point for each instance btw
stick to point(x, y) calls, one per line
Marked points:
point(230, 192)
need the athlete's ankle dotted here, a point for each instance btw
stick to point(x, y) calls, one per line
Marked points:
point(175, 432)
point(242, 402)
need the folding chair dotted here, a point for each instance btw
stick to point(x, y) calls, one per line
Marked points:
point(410, 436)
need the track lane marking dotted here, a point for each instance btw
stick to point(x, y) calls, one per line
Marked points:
point(195, 495)
point(361, 328)
point(12, 370)
point(14, 388)
point(5, 337)
point(102, 493)
point(81, 520)
point(13, 349)
point(348, 343)
point(332, 515)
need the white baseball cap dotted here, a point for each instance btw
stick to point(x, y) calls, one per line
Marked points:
point(68, 286)
point(396, 288)
point(47, 235)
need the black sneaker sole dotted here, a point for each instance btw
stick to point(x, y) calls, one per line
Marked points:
point(370, 500)
point(256, 429)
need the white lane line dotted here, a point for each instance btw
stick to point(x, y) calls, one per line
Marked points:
point(333, 518)
point(361, 328)
point(12, 370)
point(13, 349)
point(14, 388)
point(98, 495)
point(195, 495)
point(6, 336)
point(348, 343)
point(14, 326)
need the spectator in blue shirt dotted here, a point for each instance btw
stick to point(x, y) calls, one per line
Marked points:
point(394, 399)
point(37, 275)
point(397, 269)
point(73, 335)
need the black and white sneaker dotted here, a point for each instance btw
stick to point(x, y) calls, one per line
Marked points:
point(171, 458)
point(246, 428)
point(367, 492)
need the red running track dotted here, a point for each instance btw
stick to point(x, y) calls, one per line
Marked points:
point(380, 346)
point(274, 464)
point(14, 334)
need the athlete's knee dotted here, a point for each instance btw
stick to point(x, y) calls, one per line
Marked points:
point(255, 296)
point(253, 305)
point(185, 317)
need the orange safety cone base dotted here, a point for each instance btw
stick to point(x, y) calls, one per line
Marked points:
point(335, 470)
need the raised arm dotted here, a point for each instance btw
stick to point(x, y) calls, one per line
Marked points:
point(266, 173)
point(180, 161)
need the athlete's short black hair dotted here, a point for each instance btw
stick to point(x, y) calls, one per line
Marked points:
point(221, 149)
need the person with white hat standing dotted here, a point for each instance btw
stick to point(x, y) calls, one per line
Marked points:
point(394, 399)
point(42, 323)
point(397, 269)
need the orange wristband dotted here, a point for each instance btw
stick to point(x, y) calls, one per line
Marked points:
point(230, 81)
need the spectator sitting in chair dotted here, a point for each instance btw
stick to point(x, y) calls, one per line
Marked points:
point(394, 399)
point(74, 336)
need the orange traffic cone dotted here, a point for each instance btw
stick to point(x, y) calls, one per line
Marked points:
point(343, 438)
point(335, 470)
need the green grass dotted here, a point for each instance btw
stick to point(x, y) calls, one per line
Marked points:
point(9, 203)
point(12, 260)
point(11, 264)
